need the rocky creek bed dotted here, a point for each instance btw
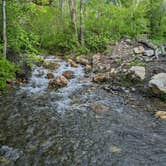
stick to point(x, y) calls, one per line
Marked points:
point(79, 123)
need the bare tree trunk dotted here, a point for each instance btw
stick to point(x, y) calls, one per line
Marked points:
point(82, 22)
point(61, 4)
point(73, 17)
point(4, 27)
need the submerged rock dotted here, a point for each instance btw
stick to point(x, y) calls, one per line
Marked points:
point(157, 84)
point(115, 149)
point(137, 73)
point(160, 114)
point(99, 108)
point(58, 82)
point(50, 75)
point(68, 74)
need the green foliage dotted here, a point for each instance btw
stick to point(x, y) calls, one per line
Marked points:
point(54, 31)
point(7, 72)
point(19, 37)
point(157, 18)
point(137, 62)
point(43, 25)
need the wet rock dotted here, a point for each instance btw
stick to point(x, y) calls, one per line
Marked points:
point(99, 108)
point(68, 74)
point(50, 75)
point(58, 82)
point(161, 114)
point(10, 153)
point(82, 60)
point(115, 149)
point(115, 88)
point(148, 53)
point(137, 73)
point(88, 68)
point(51, 65)
point(157, 84)
point(139, 50)
point(101, 77)
point(22, 81)
point(40, 63)
point(72, 63)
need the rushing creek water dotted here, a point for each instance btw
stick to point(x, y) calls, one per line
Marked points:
point(43, 127)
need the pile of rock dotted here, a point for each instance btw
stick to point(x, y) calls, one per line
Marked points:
point(100, 63)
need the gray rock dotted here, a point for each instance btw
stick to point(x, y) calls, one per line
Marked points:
point(137, 73)
point(149, 53)
point(157, 84)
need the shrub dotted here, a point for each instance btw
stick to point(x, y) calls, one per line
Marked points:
point(7, 71)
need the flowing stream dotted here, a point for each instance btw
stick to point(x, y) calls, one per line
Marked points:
point(78, 125)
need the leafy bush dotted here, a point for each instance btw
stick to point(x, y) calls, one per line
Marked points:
point(7, 71)
point(19, 37)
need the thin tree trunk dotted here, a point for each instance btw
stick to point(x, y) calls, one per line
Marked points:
point(73, 17)
point(61, 4)
point(82, 23)
point(4, 27)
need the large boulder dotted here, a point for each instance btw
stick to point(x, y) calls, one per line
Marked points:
point(157, 84)
point(58, 82)
point(82, 60)
point(68, 74)
point(137, 73)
